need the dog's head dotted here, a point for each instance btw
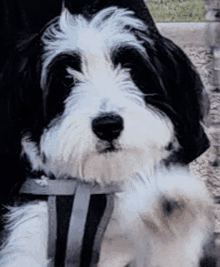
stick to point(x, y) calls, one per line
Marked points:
point(100, 98)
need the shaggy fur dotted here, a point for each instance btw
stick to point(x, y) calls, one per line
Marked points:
point(103, 99)
point(159, 220)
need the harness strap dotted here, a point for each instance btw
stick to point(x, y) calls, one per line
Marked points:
point(101, 230)
point(82, 194)
point(52, 236)
point(77, 226)
point(64, 187)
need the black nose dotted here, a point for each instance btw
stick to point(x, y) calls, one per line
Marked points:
point(108, 126)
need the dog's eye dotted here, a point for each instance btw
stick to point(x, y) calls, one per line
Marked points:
point(68, 80)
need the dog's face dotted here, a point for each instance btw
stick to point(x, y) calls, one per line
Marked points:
point(99, 124)
point(100, 98)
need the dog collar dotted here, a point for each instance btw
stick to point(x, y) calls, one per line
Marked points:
point(82, 195)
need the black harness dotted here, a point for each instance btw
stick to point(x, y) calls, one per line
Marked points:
point(78, 217)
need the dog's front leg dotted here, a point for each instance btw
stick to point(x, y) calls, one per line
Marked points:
point(177, 221)
point(169, 217)
point(116, 252)
point(27, 233)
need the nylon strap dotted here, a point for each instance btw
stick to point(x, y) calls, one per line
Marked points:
point(82, 193)
point(64, 187)
point(101, 230)
point(76, 226)
point(52, 236)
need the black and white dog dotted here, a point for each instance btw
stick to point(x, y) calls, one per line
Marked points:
point(102, 97)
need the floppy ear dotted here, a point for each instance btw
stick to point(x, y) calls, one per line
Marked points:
point(185, 95)
point(20, 109)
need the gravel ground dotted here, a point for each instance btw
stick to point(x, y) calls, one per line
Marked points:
point(203, 167)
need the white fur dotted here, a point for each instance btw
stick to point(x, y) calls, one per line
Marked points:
point(26, 244)
point(107, 31)
point(129, 236)
point(69, 145)
point(138, 230)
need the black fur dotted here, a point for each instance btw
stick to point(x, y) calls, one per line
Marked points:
point(21, 104)
point(168, 75)
point(59, 83)
point(174, 87)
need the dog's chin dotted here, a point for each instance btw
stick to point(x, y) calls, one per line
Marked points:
point(104, 147)
point(104, 163)
point(113, 164)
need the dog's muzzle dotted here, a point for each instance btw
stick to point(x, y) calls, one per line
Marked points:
point(81, 241)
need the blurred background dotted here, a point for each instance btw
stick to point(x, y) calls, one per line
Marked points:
point(177, 10)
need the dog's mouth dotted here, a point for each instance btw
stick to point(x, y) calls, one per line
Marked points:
point(107, 147)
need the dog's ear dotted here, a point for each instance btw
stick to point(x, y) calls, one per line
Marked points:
point(171, 83)
point(185, 95)
point(20, 108)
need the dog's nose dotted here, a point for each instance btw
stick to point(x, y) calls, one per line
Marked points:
point(108, 126)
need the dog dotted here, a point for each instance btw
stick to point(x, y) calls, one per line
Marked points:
point(103, 98)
